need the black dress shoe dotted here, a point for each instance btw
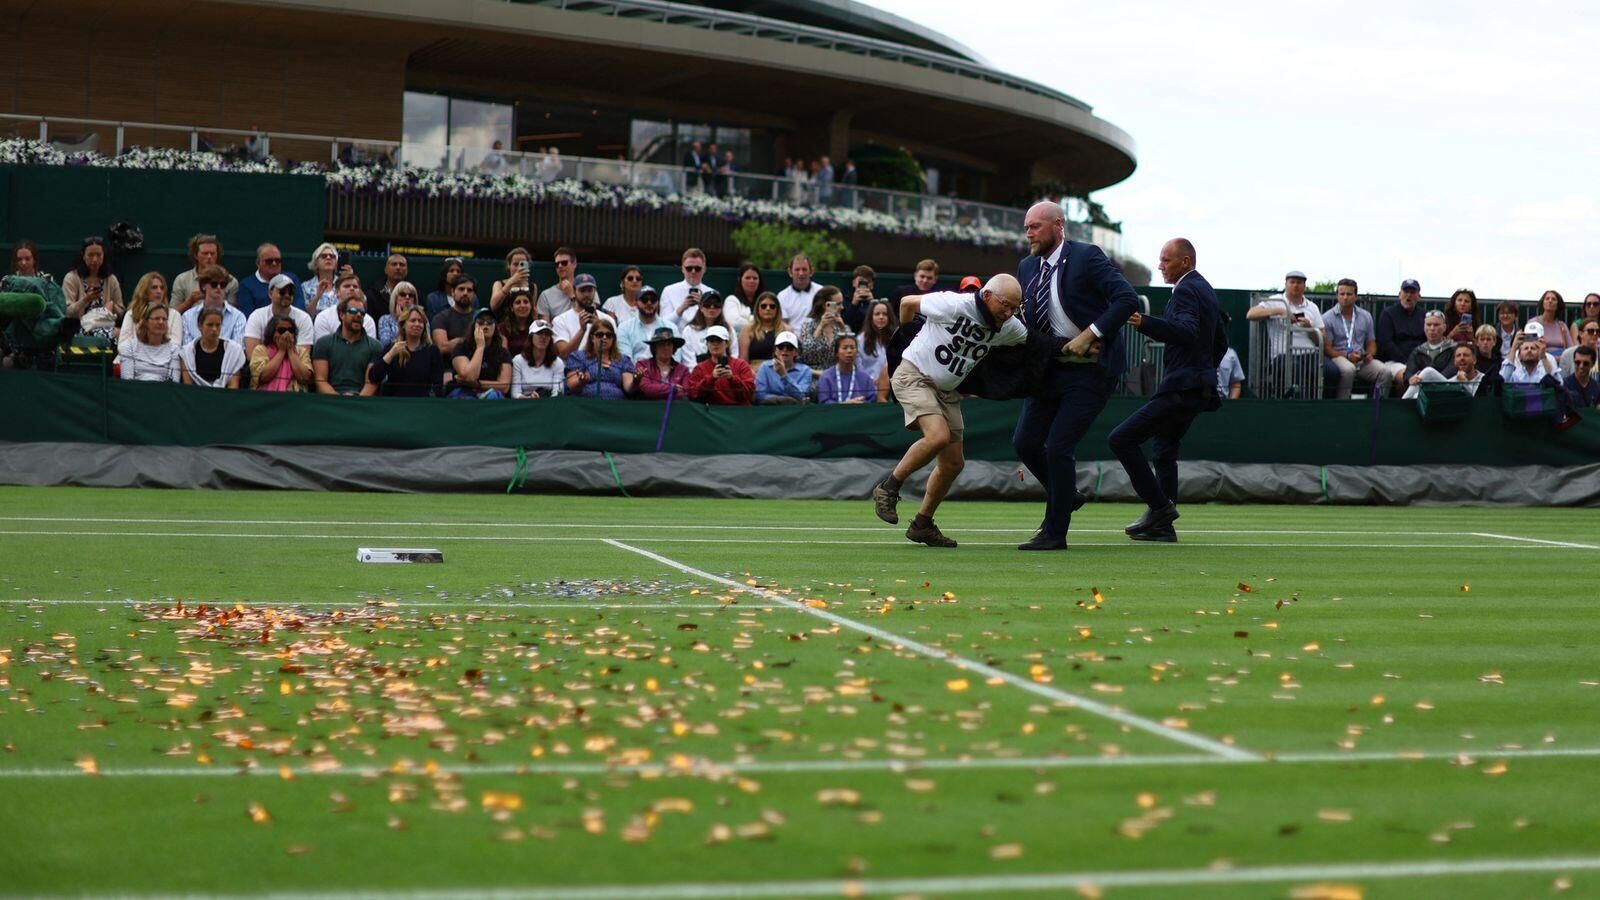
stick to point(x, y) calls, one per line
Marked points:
point(1153, 519)
point(1042, 541)
point(1079, 500)
point(1165, 534)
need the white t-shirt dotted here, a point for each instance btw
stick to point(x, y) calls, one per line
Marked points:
point(870, 363)
point(1277, 326)
point(619, 309)
point(796, 305)
point(256, 325)
point(567, 327)
point(956, 337)
point(328, 322)
point(525, 379)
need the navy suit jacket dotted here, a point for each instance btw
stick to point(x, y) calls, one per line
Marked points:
point(1192, 328)
point(1093, 291)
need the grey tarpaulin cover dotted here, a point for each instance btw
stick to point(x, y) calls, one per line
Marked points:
point(492, 469)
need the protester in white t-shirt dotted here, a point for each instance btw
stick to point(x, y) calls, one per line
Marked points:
point(960, 330)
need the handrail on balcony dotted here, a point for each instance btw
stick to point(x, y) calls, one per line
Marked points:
point(926, 209)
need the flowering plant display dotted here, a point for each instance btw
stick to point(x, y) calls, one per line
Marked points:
point(420, 182)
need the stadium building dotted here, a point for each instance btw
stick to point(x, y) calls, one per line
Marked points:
point(441, 82)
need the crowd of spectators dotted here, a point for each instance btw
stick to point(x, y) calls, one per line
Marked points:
point(1405, 346)
point(327, 333)
point(815, 183)
point(804, 342)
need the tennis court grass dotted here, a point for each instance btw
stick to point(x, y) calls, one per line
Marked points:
point(205, 693)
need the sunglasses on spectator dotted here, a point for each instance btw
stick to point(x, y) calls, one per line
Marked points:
point(711, 303)
point(563, 262)
point(1591, 331)
point(287, 330)
point(604, 334)
point(353, 311)
point(631, 278)
point(218, 284)
point(272, 261)
point(766, 306)
point(694, 268)
point(327, 256)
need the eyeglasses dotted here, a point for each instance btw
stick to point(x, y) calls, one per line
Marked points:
point(1591, 331)
point(652, 298)
point(711, 304)
point(287, 331)
point(563, 262)
point(216, 284)
point(631, 278)
point(327, 256)
point(766, 306)
point(272, 261)
point(355, 312)
point(411, 294)
point(694, 268)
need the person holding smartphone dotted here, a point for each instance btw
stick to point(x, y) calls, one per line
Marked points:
point(824, 326)
point(863, 284)
point(516, 283)
point(1294, 328)
point(722, 380)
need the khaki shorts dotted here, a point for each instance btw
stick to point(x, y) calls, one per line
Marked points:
point(919, 396)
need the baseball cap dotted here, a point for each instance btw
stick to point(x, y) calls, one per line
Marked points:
point(583, 281)
point(279, 282)
point(971, 282)
point(786, 337)
point(1534, 329)
point(1295, 273)
point(484, 313)
point(648, 291)
point(721, 334)
point(1410, 284)
point(539, 326)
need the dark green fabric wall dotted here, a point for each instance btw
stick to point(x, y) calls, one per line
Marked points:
point(91, 409)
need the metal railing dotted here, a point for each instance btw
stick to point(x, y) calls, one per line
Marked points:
point(669, 13)
point(81, 135)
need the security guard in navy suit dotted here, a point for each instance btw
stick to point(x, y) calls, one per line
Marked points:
point(1193, 331)
point(1072, 293)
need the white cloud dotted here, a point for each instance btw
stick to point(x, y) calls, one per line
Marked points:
point(1451, 142)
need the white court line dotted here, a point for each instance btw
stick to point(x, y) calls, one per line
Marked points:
point(822, 766)
point(895, 542)
point(1512, 537)
point(462, 605)
point(971, 884)
point(696, 526)
point(1188, 739)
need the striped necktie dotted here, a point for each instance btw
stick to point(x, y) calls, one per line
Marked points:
point(1038, 314)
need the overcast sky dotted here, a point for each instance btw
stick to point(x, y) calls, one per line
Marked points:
point(1456, 143)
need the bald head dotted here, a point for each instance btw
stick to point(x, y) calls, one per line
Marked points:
point(1045, 225)
point(1002, 295)
point(1177, 259)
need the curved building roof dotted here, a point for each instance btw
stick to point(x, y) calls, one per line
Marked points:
point(853, 18)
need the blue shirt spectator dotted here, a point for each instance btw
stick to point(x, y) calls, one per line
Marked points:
point(609, 382)
point(253, 291)
point(793, 383)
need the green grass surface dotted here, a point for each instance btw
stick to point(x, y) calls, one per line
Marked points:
point(548, 710)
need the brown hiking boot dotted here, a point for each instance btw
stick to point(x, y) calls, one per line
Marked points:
point(883, 503)
point(929, 534)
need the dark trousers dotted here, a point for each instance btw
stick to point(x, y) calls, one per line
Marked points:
point(1049, 429)
point(1165, 419)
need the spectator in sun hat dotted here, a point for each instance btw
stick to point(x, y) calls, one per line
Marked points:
point(538, 370)
point(784, 378)
point(660, 373)
point(722, 379)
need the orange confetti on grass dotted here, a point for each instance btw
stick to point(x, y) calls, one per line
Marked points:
point(501, 800)
point(1099, 598)
point(838, 797)
point(87, 764)
point(258, 814)
point(1326, 892)
point(957, 684)
point(1246, 588)
point(1005, 851)
point(1498, 767)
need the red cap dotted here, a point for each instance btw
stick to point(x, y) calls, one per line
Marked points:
point(971, 282)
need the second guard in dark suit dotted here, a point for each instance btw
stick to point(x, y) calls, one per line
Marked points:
point(1074, 295)
point(1193, 330)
